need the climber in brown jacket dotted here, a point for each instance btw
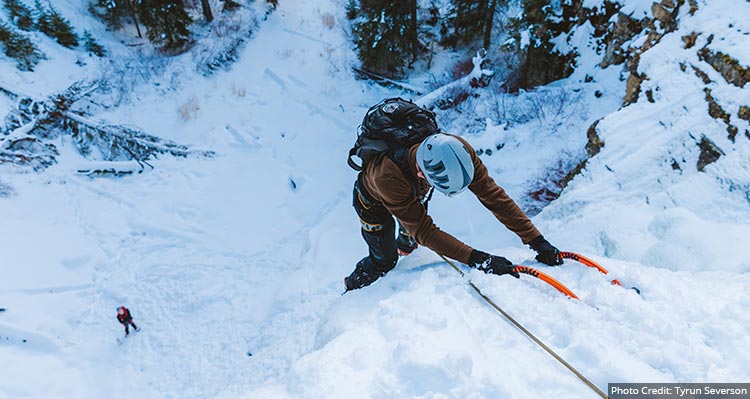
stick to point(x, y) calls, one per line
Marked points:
point(448, 164)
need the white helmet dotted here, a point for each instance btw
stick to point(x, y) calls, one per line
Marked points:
point(446, 163)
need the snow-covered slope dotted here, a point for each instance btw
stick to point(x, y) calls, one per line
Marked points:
point(643, 197)
point(233, 266)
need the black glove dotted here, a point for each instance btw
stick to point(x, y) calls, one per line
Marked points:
point(491, 264)
point(547, 254)
point(405, 244)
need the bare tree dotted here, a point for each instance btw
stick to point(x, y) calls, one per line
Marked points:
point(413, 38)
point(207, 10)
point(489, 22)
point(131, 10)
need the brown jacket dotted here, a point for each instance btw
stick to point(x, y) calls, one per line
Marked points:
point(386, 184)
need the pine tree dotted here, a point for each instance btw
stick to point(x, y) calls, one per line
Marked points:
point(385, 34)
point(115, 11)
point(54, 25)
point(489, 22)
point(167, 22)
point(19, 47)
point(471, 20)
point(19, 14)
point(92, 46)
point(468, 20)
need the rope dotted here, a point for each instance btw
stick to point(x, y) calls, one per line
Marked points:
point(528, 333)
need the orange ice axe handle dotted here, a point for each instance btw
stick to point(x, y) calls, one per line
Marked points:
point(546, 278)
point(588, 262)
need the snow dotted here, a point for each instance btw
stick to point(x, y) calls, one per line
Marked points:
point(634, 8)
point(232, 266)
point(731, 35)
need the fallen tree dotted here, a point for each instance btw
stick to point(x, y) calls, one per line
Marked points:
point(30, 126)
point(442, 97)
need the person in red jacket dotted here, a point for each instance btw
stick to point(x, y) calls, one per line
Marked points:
point(124, 317)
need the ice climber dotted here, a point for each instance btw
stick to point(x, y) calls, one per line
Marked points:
point(124, 317)
point(446, 163)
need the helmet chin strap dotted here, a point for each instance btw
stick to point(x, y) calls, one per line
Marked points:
point(428, 196)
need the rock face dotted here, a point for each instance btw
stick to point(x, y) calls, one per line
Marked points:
point(728, 67)
point(714, 109)
point(717, 112)
point(666, 13)
point(690, 39)
point(594, 143)
point(744, 113)
point(663, 22)
point(710, 153)
point(624, 29)
point(613, 29)
point(633, 88)
point(693, 51)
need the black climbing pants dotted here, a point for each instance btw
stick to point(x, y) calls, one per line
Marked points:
point(378, 230)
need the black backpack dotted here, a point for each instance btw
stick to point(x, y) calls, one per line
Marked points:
point(389, 128)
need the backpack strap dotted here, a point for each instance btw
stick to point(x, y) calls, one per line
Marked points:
point(400, 157)
point(351, 162)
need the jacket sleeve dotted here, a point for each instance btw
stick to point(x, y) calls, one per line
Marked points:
point(401, 202)
point(497, 201)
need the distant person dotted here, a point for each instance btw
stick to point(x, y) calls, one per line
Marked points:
point(124, 317)
point(398, 182)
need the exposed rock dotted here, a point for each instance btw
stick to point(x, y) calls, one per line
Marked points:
point(624, 29)
point(666, 13)
point(702, 75)
point(693, 6)
point(710, 153)
point(650, 96)
point(572, 174)
point(732, 130)
point(727, 66)
point(714, 109)
point(744, 113)
point(717, 112)
point(594, 144)
point(633, 88)
point(690, 39)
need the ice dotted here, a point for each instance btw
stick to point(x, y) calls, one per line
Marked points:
point(218, 258)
